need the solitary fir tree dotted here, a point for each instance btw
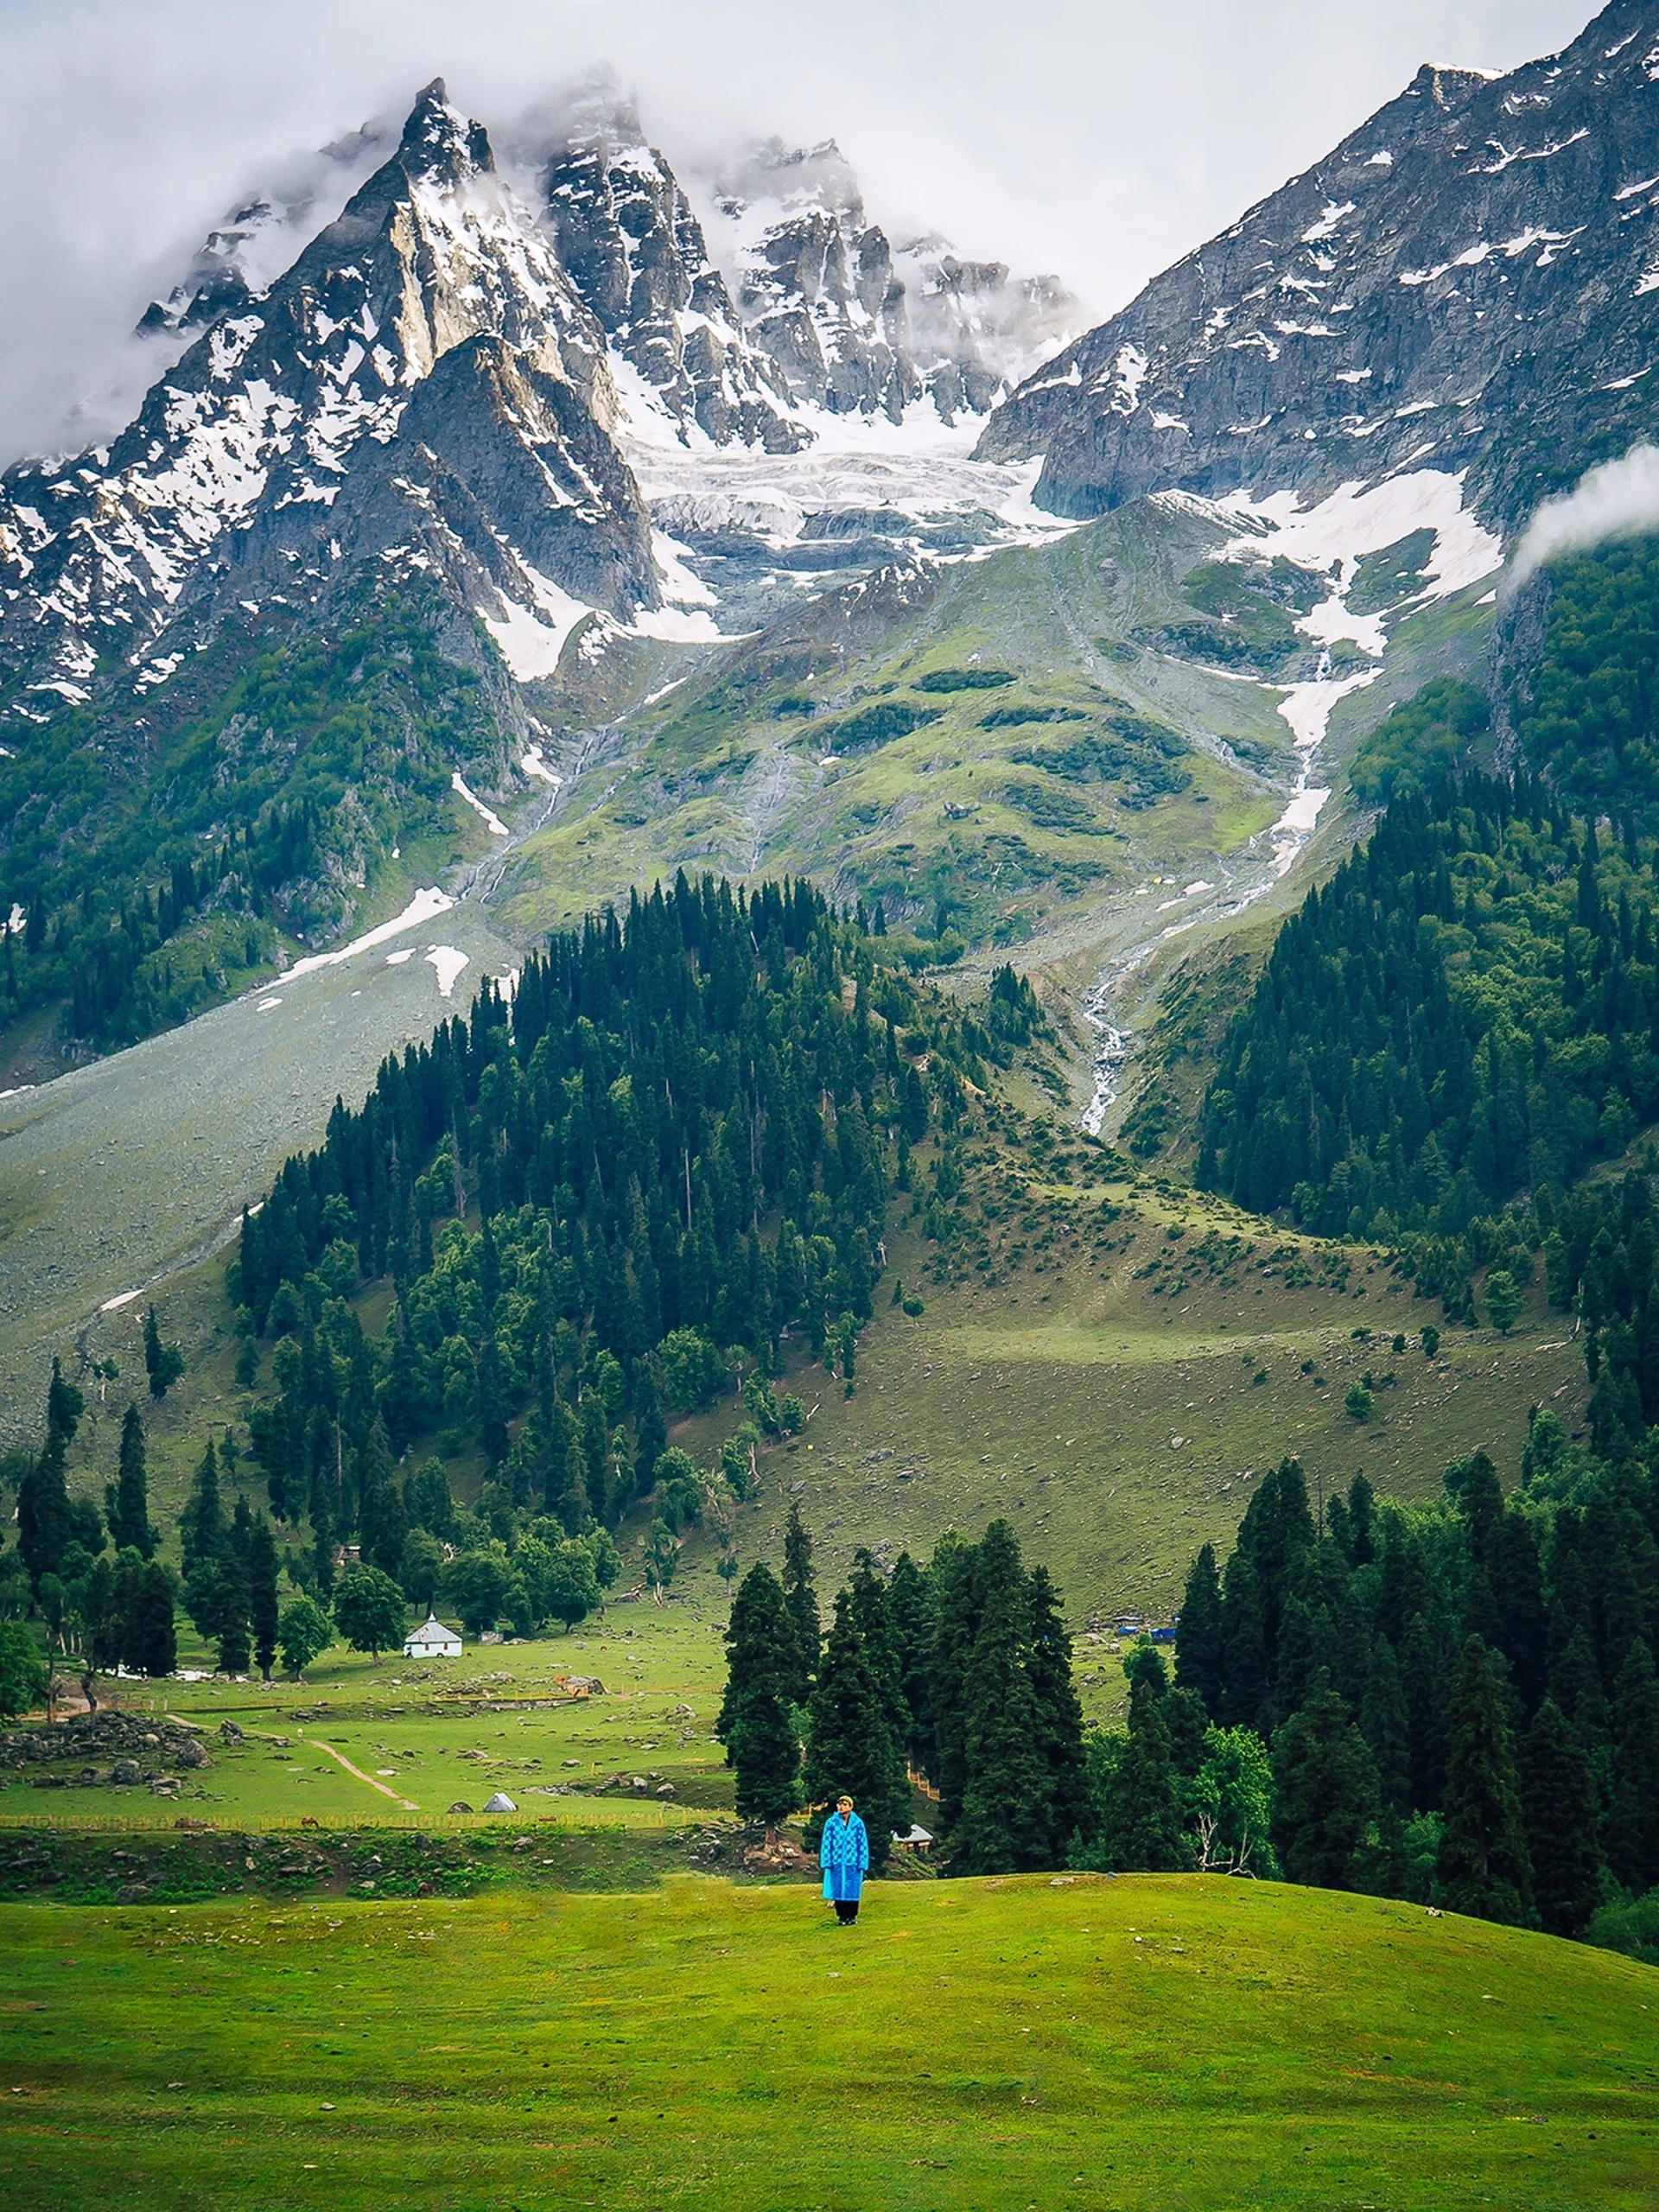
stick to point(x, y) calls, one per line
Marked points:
point(1558, 1814)
point(756, 1722)
point(163, 1364)
point(1325, 1785)
point(64, 1404)
point(849, 1746)
point(801, 1602)
point(264, 1606)
point(1483, 1855)
point(127, 1498)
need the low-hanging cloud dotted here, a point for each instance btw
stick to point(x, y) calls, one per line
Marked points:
point(1099, 139)
point(1619, 499)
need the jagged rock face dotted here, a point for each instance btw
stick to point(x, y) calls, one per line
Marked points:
point(626, 234)
point(856, 326)
point(975, 331)
point(815, 282)
point(1471, 280)
point(278, 443)
point(239, 260)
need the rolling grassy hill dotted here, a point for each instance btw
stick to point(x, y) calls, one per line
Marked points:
point(1000, 2043)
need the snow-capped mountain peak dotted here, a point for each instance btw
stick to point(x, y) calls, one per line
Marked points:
point(247, 458)
point(1466, 281)
point(625, 232)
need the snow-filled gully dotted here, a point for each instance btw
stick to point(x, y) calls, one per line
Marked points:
point(1334, 535)
point(1307, 707)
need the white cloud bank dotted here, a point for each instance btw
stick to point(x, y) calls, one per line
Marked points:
point(1619, 500)
point(1097, 138)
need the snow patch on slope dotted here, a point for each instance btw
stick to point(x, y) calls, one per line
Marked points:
point(420, 908)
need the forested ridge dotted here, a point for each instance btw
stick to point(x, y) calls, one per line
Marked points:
point(669, 1157)
point(957, 1668)
point(1466, 1013)
point(1459, 1699)
point(154, 859)
point(1584, 708)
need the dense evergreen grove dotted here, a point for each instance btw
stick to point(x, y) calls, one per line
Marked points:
point(153, 861)
point(1459, 1701)
point(664, 1168)
point(101, 1593)
point(1424, 738)
point(1584, 712)
point(669, 1161)
point(959, 1671)
point(1467, 1012)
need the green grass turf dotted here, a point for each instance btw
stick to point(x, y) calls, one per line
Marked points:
point(1149, 2041)
point(438, 1732)
point(1114, 1418)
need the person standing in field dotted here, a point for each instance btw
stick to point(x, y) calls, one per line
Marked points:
point(844, 1855)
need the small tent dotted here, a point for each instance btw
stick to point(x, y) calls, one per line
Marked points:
point(432, 1640)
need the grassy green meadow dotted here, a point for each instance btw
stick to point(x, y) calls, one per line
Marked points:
point(1177, 2041)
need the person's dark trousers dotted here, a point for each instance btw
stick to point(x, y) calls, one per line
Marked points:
point(847, 1914)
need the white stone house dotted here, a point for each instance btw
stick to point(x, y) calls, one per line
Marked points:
point(432, 1640)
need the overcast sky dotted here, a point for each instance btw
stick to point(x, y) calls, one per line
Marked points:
point(1098, 138)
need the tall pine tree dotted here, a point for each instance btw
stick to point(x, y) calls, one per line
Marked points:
point(1199, 1658)
point(1144, 1810)
point(800, 1600)
point(1059, 1715)
point(149, 1637)
point(1483, 1855)
point(757, 1722)
point(873, 1618)
point(43, 1509)
point(233, 1595)
point(127, 1498)
point(1558, 1814)
point(910, 1604)
point(1006, 1824)
point(1325, 1791)
point(264, 1602)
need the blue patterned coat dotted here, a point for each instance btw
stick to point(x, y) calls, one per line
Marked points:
point(843, 1854)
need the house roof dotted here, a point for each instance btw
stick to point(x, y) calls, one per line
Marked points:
point(432, 1631)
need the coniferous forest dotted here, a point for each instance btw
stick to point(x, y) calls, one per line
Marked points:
point(669, 1163)
point(1448, 1033)
point(958, 1671)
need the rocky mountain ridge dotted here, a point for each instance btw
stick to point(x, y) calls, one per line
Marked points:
point(1470, 282)
point(423, 386)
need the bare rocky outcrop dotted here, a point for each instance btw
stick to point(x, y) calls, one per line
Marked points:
point(1469, 280)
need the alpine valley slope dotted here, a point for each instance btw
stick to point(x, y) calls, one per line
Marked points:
point(458, 517)
point(246, 648)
